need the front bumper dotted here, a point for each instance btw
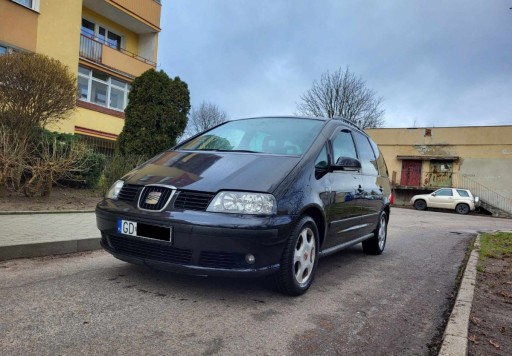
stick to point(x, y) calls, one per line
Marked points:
point(202, 243)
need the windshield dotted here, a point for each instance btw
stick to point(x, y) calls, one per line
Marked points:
point(289, 136)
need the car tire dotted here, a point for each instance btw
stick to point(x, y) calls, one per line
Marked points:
point(375, 245)
point(420, 204)
point(462, 209)
point(300, 259)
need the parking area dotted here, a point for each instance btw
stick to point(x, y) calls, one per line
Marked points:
point(394, 303)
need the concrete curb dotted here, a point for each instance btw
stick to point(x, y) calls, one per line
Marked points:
point(455, 340)
point(30, 212)
point(48, 248)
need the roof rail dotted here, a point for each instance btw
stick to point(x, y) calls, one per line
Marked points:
point(347, 122)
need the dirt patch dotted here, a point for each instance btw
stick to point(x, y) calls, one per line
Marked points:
point(490, 328)
point(61, 199)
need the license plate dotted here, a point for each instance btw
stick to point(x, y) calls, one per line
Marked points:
point(127, 227)
point(133, 228)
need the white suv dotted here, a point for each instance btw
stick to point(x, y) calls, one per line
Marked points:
point(460, 200)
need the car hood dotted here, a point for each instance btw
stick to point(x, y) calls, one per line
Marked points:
point(214, 171)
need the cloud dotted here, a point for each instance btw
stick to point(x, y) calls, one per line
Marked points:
point(435, 63)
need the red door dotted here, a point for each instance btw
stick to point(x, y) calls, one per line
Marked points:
point(411, 173)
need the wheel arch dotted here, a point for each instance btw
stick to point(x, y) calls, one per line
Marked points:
point(387, 210)
point(318, 216)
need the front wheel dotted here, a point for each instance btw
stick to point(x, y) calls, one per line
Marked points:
point(420, 204)
point(375, 245)
point(299, 260)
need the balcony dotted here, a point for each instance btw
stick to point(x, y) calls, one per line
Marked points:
point(118, 60)
point(148, 10)
point(139, 16)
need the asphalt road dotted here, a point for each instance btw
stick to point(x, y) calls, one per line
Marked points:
point(392, 304)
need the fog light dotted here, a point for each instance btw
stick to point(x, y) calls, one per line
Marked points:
point(250, 258)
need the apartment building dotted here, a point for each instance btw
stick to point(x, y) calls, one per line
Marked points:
point(106, 43)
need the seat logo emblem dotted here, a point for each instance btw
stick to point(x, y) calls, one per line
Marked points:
point(153, 198)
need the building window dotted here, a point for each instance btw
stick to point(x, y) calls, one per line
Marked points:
point(4, 49)
point(101, 34)
point(31, 4)
point(99, 88)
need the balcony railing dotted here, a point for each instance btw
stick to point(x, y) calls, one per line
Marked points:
point(97, 51)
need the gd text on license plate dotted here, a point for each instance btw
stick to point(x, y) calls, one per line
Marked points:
point(127, 227)
point(133, 228)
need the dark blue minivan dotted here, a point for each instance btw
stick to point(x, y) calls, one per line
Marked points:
point(257, 196)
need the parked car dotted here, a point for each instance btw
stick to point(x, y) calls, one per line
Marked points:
point(460, 200)
point(252, 197)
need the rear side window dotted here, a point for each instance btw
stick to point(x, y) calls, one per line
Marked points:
point(462, 193)
point(343, 146)
point(366, 154)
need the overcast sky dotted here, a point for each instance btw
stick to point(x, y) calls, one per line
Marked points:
point(434, 62)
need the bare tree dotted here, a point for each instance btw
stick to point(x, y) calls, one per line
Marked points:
point(35, 90)
point(342, 94)
point(204, 117)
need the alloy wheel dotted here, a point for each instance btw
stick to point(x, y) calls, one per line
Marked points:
point(304, 256)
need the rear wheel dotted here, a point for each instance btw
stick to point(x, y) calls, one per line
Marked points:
point(420, 204)
point(375, 245)
point(462, 209)
point(299, 260)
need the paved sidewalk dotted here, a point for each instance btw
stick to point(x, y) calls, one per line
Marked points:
point(32, 235)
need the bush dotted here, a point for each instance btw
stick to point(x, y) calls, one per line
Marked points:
point(13, 156)
point(156, 114)
point(118, 166)
point(86, 171)
point(51, 161)
point(90, 177)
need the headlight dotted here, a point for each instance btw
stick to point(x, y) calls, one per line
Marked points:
point(243, 203)
point(114, 190)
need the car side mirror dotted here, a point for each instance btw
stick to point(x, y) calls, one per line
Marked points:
point(433, 194)
point(346, 164)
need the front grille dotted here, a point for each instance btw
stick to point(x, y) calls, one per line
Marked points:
point(129, 192)
point(155, 197)
point(221, 260)
point(162, 252)
point(193, 200)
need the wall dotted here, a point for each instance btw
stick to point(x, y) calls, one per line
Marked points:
point(18, 26)
point(58, 33)
point(98, 121)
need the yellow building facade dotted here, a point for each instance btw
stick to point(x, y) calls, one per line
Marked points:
point(105, 43)
point(425, 159)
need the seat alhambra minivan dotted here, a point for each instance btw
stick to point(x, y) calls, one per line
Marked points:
point(250, 197)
